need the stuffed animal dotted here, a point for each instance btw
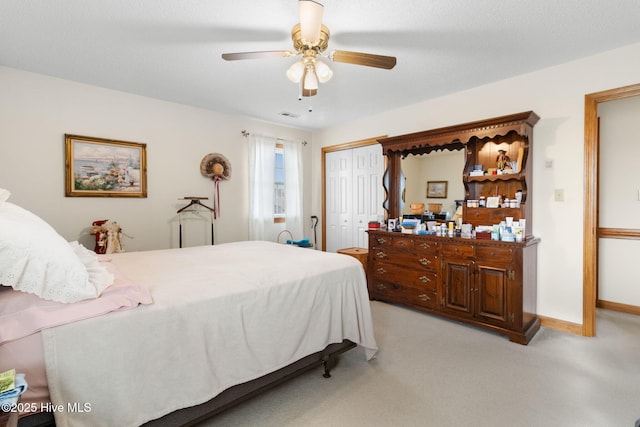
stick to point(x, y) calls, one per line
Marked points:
point(107, 236)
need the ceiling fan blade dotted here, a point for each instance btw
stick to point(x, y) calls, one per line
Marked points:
point(310, 20)
point(368, 59)
point(257, 55)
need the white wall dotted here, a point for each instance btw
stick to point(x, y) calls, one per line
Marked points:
point(35, 113)
point(557, 95)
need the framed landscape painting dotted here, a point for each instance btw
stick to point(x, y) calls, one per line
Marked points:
point(437, 189)
point(97, 167)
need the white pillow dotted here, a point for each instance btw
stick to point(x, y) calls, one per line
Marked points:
point(4, 195)
point(34, 258)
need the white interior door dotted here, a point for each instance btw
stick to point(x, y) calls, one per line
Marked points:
point(354, 195)
point(368, 194)
point(338, 176)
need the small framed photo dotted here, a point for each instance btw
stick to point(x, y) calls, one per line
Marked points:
point(97, 167)
point(493, 202)
point(437, 189)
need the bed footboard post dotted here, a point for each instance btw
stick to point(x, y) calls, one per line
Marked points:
point(327, 363)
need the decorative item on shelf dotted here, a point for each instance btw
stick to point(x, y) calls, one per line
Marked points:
point(374, 225)
point(218, 168)
point(409, 226)
point(503, 161)
point(417, 208)
point(392, 224)
point(435, 208)
point(519, 197)
point(493, 202)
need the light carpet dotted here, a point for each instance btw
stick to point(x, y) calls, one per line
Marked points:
point(435, 372)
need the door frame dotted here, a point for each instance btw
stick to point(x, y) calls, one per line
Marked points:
point(328, 149)
point(590, 231)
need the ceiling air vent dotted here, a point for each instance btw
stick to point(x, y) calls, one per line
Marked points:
point(286, 114)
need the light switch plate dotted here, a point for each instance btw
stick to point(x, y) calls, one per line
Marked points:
point(558, 195)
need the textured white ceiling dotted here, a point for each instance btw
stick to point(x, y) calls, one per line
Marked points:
point(170, 49)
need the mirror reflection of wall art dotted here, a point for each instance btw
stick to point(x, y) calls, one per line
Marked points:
point(437, 189)
point(97, 167)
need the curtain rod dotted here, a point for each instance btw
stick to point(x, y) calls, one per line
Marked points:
point(246, 134)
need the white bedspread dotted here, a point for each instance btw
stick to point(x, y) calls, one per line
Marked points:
point(222, 315)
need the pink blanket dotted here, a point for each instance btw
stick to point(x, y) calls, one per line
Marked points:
point(22, 314)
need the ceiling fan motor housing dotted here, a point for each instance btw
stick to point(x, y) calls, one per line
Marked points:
point(301, 45)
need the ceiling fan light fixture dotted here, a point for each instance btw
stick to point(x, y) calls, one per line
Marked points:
point(310, 81)
point(295, 72)
point(310, 21)
point(323, 72)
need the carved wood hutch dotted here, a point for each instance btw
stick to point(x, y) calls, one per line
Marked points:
point(487, 283)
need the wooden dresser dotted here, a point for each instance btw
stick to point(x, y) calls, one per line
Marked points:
point(487, 283)
point(481, 282)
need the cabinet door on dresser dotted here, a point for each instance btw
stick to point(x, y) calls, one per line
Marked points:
point(458, 282)
point(496, 284)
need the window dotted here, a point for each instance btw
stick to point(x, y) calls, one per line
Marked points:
point(279, 190)
point(275, 187)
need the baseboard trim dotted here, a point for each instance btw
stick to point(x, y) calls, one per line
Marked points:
point(616, 306)
point(560, 325)
point(576, 328)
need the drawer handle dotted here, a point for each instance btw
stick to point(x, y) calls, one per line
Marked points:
point(382, 240)
point(381, 270)
point(424, 261)
point(381, 255)
point(402, 243)
point(424, 297)
point(425, 245)
point(381, 287)
point(424, 279)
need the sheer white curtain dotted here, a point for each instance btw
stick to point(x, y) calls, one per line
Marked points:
point(261, 188)
point(293, 188)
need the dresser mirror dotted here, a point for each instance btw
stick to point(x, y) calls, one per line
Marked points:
point(438, 166)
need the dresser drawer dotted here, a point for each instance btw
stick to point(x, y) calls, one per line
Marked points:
point(407, 259)
point(423, 279)
point(489, 253)
point(453, 250)
point(380, 240)
point(404, 294)
point(402, 242)
point(426, 246)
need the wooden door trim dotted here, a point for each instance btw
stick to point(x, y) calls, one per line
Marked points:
point(329, 149)
point(590, 231)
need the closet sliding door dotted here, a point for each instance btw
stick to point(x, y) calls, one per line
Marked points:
point(354, 195)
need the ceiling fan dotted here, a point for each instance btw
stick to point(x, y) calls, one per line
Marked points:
point(310, 40)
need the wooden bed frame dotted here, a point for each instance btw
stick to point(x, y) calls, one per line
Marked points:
point(237, 394)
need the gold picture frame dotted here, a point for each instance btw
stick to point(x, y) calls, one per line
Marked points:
point(98, 167)
point(437, 189)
